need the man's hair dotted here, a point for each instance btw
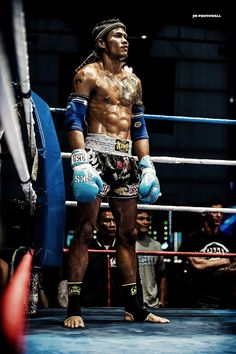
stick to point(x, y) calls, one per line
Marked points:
point(213, 200)
point(100, 31)
point(104, 27)
point(101, 212)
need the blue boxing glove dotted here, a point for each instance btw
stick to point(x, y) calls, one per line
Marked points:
point(149, 187)
point(86, 183)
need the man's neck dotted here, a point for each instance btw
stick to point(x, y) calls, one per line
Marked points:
point(211, 230)
point(141, 236)
point(111, 65)
point(106, 242)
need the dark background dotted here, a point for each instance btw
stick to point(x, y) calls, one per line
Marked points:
point(52, 65)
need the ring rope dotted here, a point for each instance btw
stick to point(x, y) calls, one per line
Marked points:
point(23, 67)
point(169, 253)
point(11, 127)
point(190, 119)
point(172, 118)
point(12, 307)
point(170, 208)
point(178, 160)
point(9, 119)
point(175, 253)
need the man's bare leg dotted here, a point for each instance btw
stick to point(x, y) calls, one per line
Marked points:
point(124, 211)
point(78, 260)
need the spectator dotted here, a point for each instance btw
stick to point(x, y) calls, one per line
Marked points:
point(152, 270)
point(101, 282)
point(213, 279)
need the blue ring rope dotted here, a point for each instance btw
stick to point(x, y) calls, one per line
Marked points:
point(173, 118)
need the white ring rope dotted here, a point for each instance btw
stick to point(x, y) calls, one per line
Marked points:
point(170, 208)
point(11, 126)
point(178, 160)
point(194, 161)
point(24, 75)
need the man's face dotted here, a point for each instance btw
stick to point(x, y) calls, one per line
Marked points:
point(107, 224)
point(214, 218)
point(117, 44)
point(143, 222)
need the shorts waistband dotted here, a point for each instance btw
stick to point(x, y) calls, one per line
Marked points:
point(109, 145)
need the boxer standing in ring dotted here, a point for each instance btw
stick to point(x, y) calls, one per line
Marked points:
point(104, 117)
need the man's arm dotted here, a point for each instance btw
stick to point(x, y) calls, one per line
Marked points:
point(201, 263)
point(86, 183)
point(163, 287)
point(141, 148)
point(149, 187)
point(139, 132)
point(76, 139)
point(83, 84)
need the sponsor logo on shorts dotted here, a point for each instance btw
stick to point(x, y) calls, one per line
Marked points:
point(121, 177)
point(127, 191)
point(122, 145)
point(133, 189)
point(105, 189)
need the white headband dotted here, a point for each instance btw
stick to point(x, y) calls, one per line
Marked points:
point(108, 28)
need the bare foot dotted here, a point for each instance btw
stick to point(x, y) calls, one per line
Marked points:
point(156, 319)
point(150, 318)
point(74, 322)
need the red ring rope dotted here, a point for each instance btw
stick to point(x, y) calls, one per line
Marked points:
point(169, 253)
point(12, 307)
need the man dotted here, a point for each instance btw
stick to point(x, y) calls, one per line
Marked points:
point(152, 270)
point(213, 278)
point(106, 106)
point(101, 286)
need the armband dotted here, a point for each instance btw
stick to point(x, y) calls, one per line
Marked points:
point(76, 112)
point(138, 125)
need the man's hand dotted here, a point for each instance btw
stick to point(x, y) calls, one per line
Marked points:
point(149, 187)
point(86, 181)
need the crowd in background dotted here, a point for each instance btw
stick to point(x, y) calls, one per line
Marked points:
point(198, 282)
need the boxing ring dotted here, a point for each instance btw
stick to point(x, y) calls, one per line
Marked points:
point(189, 330)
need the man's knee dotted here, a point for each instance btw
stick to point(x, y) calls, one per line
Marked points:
point(85, 231)
point(129, 235)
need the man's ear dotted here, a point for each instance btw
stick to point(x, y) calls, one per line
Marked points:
point(101, 43)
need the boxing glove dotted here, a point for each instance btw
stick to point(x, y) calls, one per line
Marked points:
point(149, 186)
point(86, 183)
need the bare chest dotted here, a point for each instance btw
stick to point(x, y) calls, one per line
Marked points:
point(115, 89)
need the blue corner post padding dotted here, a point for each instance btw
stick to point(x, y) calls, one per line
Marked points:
point(49, 219)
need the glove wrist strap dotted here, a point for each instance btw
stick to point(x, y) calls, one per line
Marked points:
point(146, 162)
point(78, 157)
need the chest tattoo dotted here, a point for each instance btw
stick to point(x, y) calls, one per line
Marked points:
point(128, 88)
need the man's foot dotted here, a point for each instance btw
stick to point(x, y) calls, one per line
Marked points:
point(150, 318)
point(74, 322)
